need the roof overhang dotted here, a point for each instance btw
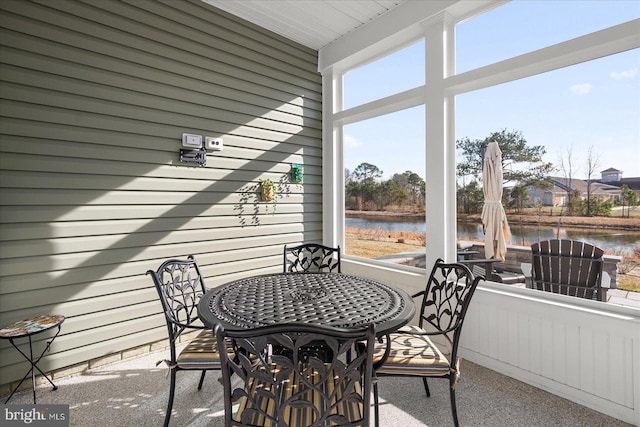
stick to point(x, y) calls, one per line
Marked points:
point(348, 33)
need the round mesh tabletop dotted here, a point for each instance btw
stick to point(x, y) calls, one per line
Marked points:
point(330, 299)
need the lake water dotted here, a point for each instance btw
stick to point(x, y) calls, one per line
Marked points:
point(606, 239)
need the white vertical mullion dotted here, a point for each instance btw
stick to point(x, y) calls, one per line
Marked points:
point(332, 160)
point(440, 141)
point(449, 70)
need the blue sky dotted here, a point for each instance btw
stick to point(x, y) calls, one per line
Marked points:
point(591, 104)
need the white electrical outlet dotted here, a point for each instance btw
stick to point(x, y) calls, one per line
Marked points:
point(212, 143)
point(190, 140)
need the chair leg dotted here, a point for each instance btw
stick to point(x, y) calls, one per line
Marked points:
point(376, 409)
point(454, 411)
point(426, 386)
point(172, 390)
point(201, 380)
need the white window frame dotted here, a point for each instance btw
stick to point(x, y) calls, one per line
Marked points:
point(436, 24)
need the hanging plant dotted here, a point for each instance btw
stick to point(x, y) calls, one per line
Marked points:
point(268, 192)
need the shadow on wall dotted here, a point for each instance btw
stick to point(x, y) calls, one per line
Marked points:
point(100, 197)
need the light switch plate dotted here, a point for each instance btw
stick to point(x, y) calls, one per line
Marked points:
point(190, 140)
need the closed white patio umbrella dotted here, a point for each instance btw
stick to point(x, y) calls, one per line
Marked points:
point(494, 219)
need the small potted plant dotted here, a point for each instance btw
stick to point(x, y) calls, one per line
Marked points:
point(268, 192)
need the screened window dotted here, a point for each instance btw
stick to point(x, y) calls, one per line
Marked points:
point(579, 114)
point(384, 160)
point(519, 27)
point(591, 104)
point(392, 74)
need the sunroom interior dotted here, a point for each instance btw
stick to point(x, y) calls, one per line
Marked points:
point(95, 97)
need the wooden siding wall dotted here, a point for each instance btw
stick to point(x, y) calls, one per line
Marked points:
point(94, 99)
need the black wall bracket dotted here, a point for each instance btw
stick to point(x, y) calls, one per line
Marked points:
point(194, 156)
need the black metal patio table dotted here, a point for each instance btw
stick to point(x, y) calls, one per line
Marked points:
point(330, 299)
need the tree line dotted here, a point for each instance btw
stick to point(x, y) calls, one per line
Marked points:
point(365, 191)
point(523, 169)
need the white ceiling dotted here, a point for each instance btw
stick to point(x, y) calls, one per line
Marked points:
point(313, 23)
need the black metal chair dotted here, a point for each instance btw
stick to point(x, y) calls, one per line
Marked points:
point(431, 348)
point(180, 286)
point(311, 257)
point(280, 385)
point(568, 267)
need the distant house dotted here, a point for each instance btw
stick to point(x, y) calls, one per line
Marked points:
point(611, 175)
point(557, 195)
point(554, 196)
point(614, 177)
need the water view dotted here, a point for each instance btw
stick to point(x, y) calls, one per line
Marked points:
point(611, 240)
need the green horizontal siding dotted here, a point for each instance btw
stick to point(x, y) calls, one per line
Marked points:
point(94, 98)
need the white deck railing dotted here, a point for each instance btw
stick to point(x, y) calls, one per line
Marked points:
point(582, 350)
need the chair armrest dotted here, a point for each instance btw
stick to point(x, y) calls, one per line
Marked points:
point(477, 264)
point(418, 294)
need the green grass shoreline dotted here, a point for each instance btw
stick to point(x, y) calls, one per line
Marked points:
point(535, 219)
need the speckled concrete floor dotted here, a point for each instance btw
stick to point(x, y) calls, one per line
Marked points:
point(134, 393)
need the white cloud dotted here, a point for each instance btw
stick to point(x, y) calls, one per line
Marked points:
point(628, 74)
point(351, 142)
point(581, 88)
